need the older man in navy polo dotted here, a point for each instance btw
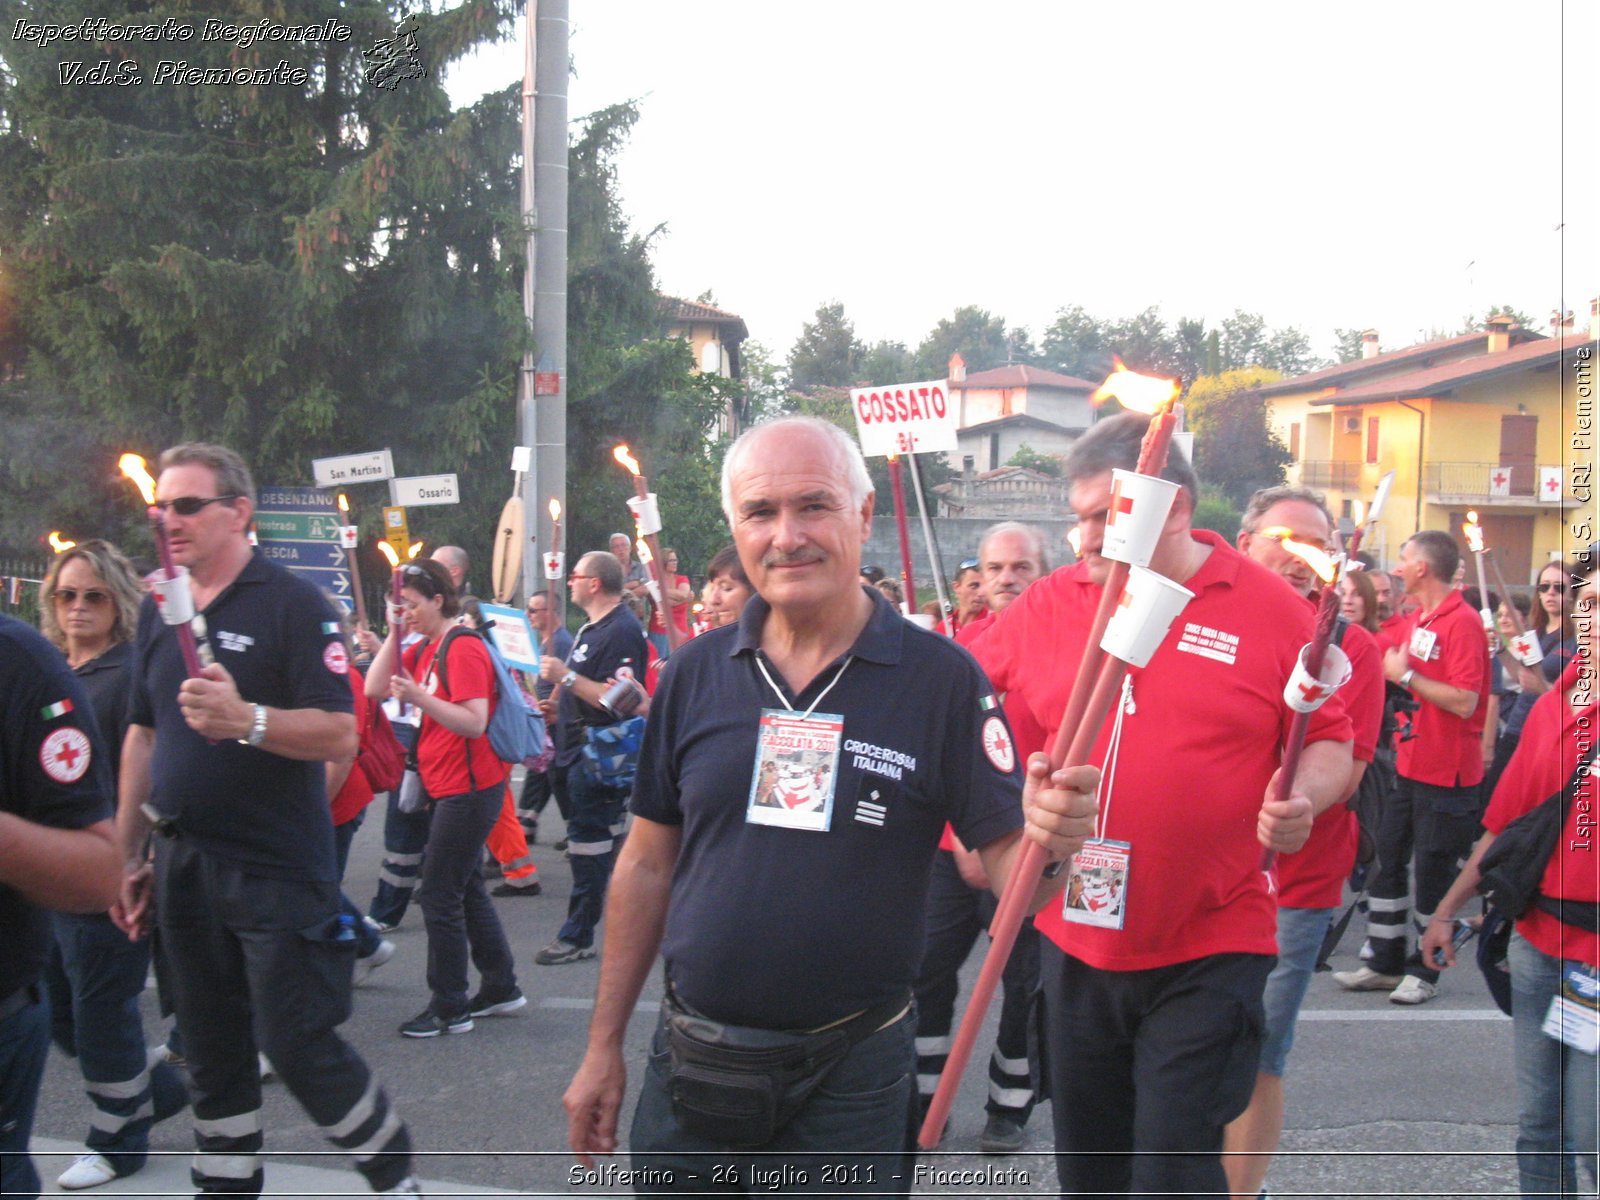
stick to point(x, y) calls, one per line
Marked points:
point(869, 733)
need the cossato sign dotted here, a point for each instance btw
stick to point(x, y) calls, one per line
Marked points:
point(901, 418)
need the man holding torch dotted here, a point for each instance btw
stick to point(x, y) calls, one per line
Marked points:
point(227, 768)
point(789, 986)
point(1153, 1014)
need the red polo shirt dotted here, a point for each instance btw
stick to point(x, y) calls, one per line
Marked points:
point(1553, 740)
point(1447, 644)
point(1196, 755)
point(1314, 876)
point(442, 755)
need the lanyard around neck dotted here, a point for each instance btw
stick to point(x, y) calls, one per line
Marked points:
point(784, 700)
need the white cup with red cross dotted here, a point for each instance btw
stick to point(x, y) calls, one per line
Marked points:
point(1138, 510)
point(1149, 605)
point(554, 563)
point(1525, 648)
point(172, 596)
point(1306, 692)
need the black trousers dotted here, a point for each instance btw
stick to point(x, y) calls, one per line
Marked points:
point(257, 963)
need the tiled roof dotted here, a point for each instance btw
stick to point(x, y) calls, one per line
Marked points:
point(693, 312)
point(1347, 373)
point(1430, 381)
point(1019, 375)
point(1026, 420)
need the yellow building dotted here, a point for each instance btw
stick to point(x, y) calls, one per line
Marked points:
point(1486, 422)
point(715, 338)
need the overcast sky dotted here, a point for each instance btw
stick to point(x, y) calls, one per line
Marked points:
point(1385, 165)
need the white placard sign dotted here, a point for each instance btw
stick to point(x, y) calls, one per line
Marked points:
point(372, 467)
point(513, 636)
point(902, 418)
point(522, 459)
point(415, 490)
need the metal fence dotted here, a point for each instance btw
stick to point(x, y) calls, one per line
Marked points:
point(1473, 479)
point(1327, 473)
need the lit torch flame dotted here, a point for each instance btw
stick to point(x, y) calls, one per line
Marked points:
point(414, 549)
point(622, 455)
point(1474, 532)
point(555, 509)
point(1325, 565)
point(344, 504)
point(133, 466)
point(60, 544)
point(1138, 393)
point(388, 552)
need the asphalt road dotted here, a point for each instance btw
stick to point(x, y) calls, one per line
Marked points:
point(1382, 1100)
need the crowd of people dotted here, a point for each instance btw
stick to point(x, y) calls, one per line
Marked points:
point(727, 773)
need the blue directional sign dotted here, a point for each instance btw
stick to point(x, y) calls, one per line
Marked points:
point(298, 528)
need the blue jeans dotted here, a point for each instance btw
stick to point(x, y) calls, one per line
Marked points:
point(367, 939)
point(96, 975)
point(455, 907)
point(597, 817)
point(849, 1136)
point(1558, 1087)
point(24, 1043)
point(1300, 934)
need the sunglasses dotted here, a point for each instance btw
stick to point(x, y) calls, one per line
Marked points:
point(92, 596)
point(577, 575)
point(1557, 588)
point(187, 506)
point(968, 564)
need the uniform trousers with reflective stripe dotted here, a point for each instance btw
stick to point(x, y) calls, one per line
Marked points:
point(957, 913)
point(508, 843)
point(597, 817)
point(404, 836)
point(259, 963)
point(94, 979)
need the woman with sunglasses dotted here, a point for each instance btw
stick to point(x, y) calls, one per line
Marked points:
point(90, 611)
point(1552, 620)
point(465, 780)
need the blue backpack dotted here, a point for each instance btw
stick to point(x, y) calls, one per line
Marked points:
point(516, 733)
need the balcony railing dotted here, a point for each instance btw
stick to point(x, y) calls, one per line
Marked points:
point(1323, 473)
point(1473, 479)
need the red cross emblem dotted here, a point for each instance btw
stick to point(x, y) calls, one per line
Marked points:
point(1119, 503)
point(1312, 691)
point(1499, 478)
point(65, 754)
point(1552, 485)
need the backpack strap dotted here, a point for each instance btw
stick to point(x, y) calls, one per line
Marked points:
point(450, 635)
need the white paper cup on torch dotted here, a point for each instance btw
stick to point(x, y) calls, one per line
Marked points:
point(1305, 692)
point(349, 536)
point(1149, 605)
point(922, 619)
point(647, 513)
point(172, 596)
point(1525, 649)
point(554, 564)
point(1139, 508)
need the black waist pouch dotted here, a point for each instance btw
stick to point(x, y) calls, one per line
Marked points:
point(739, 1086)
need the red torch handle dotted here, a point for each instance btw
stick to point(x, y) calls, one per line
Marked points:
point(186, 642)
point(1517, 622)
point(1025, 873)
point(658, 570)
point(898, 487)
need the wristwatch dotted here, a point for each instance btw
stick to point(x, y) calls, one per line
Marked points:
point(568, 679)
point(1405, 680)
point(258, 727)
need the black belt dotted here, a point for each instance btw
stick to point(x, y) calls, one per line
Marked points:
point(24, 997)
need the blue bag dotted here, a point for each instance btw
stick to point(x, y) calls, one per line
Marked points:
point(516, 733)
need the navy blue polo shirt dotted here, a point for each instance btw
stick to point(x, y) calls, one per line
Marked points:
point(599, 650)
point(277, 637)
point(105, 678)
point(55, 770)
point(784, 928)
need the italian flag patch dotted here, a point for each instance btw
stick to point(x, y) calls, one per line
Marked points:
point(59, 709)
point(331, 628)
point(988, 703)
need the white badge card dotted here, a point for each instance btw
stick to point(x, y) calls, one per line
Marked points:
point(1574, 1016)
point(796, 770)
point(1097, 889)
point(1424, 644)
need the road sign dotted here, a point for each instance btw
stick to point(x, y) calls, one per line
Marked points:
point(416, 490)
point(396, 530)
point(902, 418)
point(298, 528)
point(371, 467)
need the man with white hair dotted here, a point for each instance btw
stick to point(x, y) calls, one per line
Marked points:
point(822, 671)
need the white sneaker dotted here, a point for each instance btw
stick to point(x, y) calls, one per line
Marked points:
point(369, 963)
point(264, 1064)
point(1366, 951)
point(1365, 979)
point(90, 1170)
point(406, 1187)
point(1413, 991)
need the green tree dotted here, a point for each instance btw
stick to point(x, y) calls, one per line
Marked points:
point(1235, 448)
point(970, 331)
point(1244, 340)
point(1288, 352)
point(827, 353)
point(1471, 324)
point(1217, 513)
point(1347, 345)
point(1034, 460)
point(887, 362)
point(1077, 344)
point(294, 269)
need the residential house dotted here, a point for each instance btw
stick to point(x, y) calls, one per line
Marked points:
point(1002, 409)
point(715, 337)
point(1478, 422)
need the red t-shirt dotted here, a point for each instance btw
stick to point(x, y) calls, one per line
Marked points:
point(356, 793)
point(1394, 631)
point(1313, 876)
point(1447, 644)
point(1195, 758)
point(1546, 756)
point(680, 612)
point(442, 755)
